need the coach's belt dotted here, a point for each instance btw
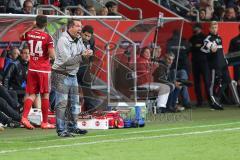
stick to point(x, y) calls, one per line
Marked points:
point(63, 73)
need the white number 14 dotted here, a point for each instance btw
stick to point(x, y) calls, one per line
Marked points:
point(37, 49)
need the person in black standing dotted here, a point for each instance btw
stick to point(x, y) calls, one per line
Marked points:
point(199, 63)
point(220, 77)
point(84, 77)
point(235, 47)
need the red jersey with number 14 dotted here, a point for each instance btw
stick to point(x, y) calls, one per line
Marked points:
point(38, 42)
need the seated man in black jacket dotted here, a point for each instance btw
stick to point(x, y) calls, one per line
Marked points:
point(180, 67)
point(15, 76)
point(9, 108)
point(6, 120)
point(162, 74)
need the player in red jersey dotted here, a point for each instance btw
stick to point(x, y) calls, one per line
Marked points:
point(41, 49)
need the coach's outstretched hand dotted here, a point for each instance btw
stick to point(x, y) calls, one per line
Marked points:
point(87, 53)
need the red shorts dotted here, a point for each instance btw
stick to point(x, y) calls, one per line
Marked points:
point(37, 82)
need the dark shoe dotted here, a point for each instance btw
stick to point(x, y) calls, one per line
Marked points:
point(171, 110)
point(161, 110)
point(188, 106)
point(216, 106)
point(78, 131)
point(199, 104)
point(65, 134)
point(13, 124)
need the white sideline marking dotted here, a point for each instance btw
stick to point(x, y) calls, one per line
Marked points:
point(129, 133)
point(123, 140)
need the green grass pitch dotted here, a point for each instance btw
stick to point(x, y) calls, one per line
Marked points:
point(198, 134)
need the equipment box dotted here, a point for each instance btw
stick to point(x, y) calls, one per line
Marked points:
point(93, 123)
point(35, 116)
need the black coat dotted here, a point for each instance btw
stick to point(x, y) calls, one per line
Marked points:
point(235, 47)
point(196, 42)
point(16, 74)
point(183, 61)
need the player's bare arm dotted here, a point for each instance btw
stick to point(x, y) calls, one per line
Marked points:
point(51, 53)
point(28, 29)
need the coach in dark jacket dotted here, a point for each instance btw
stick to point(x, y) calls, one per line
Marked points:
point(235, 47)
point(184, 48)
point(199, 63)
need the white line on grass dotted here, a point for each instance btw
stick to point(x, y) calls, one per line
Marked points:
point(122, 140)
point(128, 133)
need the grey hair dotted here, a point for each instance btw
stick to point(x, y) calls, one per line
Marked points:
point(170, 54)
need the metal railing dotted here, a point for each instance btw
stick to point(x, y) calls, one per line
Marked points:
point(103, 52)
point(79, 6)
point(184, 8)
point(131, 8)
point(47, 8)
point(61, 16)
point(101, 4)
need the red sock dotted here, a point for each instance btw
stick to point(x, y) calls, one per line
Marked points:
point(45, 106)
point(27, 106)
